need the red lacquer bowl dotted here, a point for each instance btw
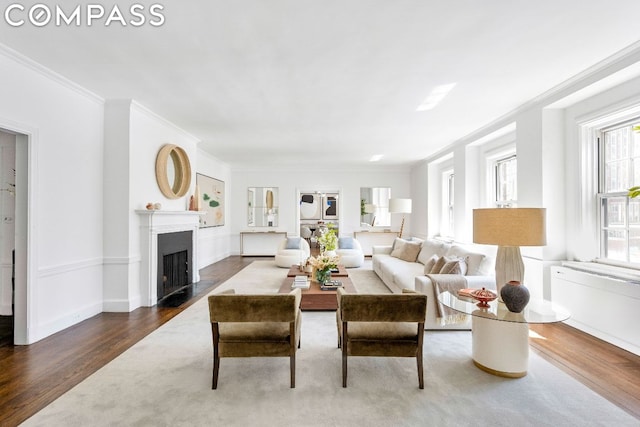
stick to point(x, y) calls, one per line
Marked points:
point(484, 296)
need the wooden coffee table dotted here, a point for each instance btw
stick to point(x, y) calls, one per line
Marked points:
point(315, 298)
point(295, 271)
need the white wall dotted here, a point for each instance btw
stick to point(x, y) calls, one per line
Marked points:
point(420, 206)
point(64, 128)
point(348, 182)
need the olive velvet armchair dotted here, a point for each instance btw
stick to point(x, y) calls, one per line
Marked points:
point(387, 325)
point(255, 326)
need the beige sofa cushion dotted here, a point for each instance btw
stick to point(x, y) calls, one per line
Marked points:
point(446, 265)
point(454, 266)
point(430, 263)
point(438, 265)
point(405, 250)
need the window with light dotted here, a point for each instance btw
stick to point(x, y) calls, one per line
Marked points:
point(619, 169)
point(506, 181)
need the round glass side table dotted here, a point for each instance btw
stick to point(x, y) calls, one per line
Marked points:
point(500, 338)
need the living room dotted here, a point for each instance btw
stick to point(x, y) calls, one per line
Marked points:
point(87, 163)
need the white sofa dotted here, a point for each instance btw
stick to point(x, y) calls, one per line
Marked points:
point(287, 255)
point(398, 274)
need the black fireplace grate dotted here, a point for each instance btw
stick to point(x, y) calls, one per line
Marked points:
point(175, 272)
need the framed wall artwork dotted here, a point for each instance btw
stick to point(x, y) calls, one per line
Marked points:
point(330, 206)
point(310, 206)
point(211, 200)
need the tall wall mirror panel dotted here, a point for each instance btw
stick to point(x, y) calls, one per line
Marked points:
point(374, 207)
point(262, 207)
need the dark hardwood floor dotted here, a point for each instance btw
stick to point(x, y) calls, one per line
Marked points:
point(31, 377)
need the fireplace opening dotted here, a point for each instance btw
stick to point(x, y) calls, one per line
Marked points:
point(174, 260)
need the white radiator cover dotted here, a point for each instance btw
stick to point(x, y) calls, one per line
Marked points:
point(603, 306)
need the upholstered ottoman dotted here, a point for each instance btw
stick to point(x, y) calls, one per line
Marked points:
point(350, 252)
point(292, 251)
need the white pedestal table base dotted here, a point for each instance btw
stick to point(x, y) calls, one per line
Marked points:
point(500, 348)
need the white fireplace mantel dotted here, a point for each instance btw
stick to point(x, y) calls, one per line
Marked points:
point(152, 223)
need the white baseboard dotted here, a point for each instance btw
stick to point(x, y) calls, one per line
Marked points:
point(120, 306)
point(63, 322)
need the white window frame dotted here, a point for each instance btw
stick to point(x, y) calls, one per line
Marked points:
point(491, 151)
point(437, 212)
point(497, 184)
point(603, 197)
point(448, 209)
point(588, 132)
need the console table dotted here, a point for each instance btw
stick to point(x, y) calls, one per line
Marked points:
point(500, 338)
point(260, 243)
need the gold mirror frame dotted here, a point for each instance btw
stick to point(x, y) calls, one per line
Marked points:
point(182, 179)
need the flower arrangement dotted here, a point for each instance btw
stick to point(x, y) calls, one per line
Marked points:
point(329, 240)
point(323, 264)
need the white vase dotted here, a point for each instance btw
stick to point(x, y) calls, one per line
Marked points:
point(330, 253)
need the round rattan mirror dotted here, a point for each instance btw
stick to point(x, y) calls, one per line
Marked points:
point(173, 171)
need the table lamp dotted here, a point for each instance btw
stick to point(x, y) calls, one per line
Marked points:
point(402, 206)
point(509, 228)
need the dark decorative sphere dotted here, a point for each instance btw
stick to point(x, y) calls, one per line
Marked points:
point(515, 296)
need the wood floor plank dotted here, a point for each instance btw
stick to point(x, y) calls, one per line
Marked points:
point(608, 370)
point(31, 377)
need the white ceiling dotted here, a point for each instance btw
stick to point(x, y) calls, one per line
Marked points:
point(285, 82)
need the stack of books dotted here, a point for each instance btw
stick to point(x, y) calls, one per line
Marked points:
point(301, 282)
point(331, 285)
point(466, 293)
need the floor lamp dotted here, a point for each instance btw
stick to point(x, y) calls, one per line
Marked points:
point(509, 228)
point(402, 206)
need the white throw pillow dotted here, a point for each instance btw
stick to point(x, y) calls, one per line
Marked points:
point(432, 247)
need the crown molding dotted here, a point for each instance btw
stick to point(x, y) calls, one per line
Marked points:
point(29, 63)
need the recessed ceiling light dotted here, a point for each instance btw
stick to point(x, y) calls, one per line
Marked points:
point(437, 94)
point(375, 157)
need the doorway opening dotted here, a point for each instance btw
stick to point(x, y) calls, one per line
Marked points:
point(7, 236)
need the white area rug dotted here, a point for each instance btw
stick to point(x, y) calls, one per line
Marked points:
point(165, 380)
